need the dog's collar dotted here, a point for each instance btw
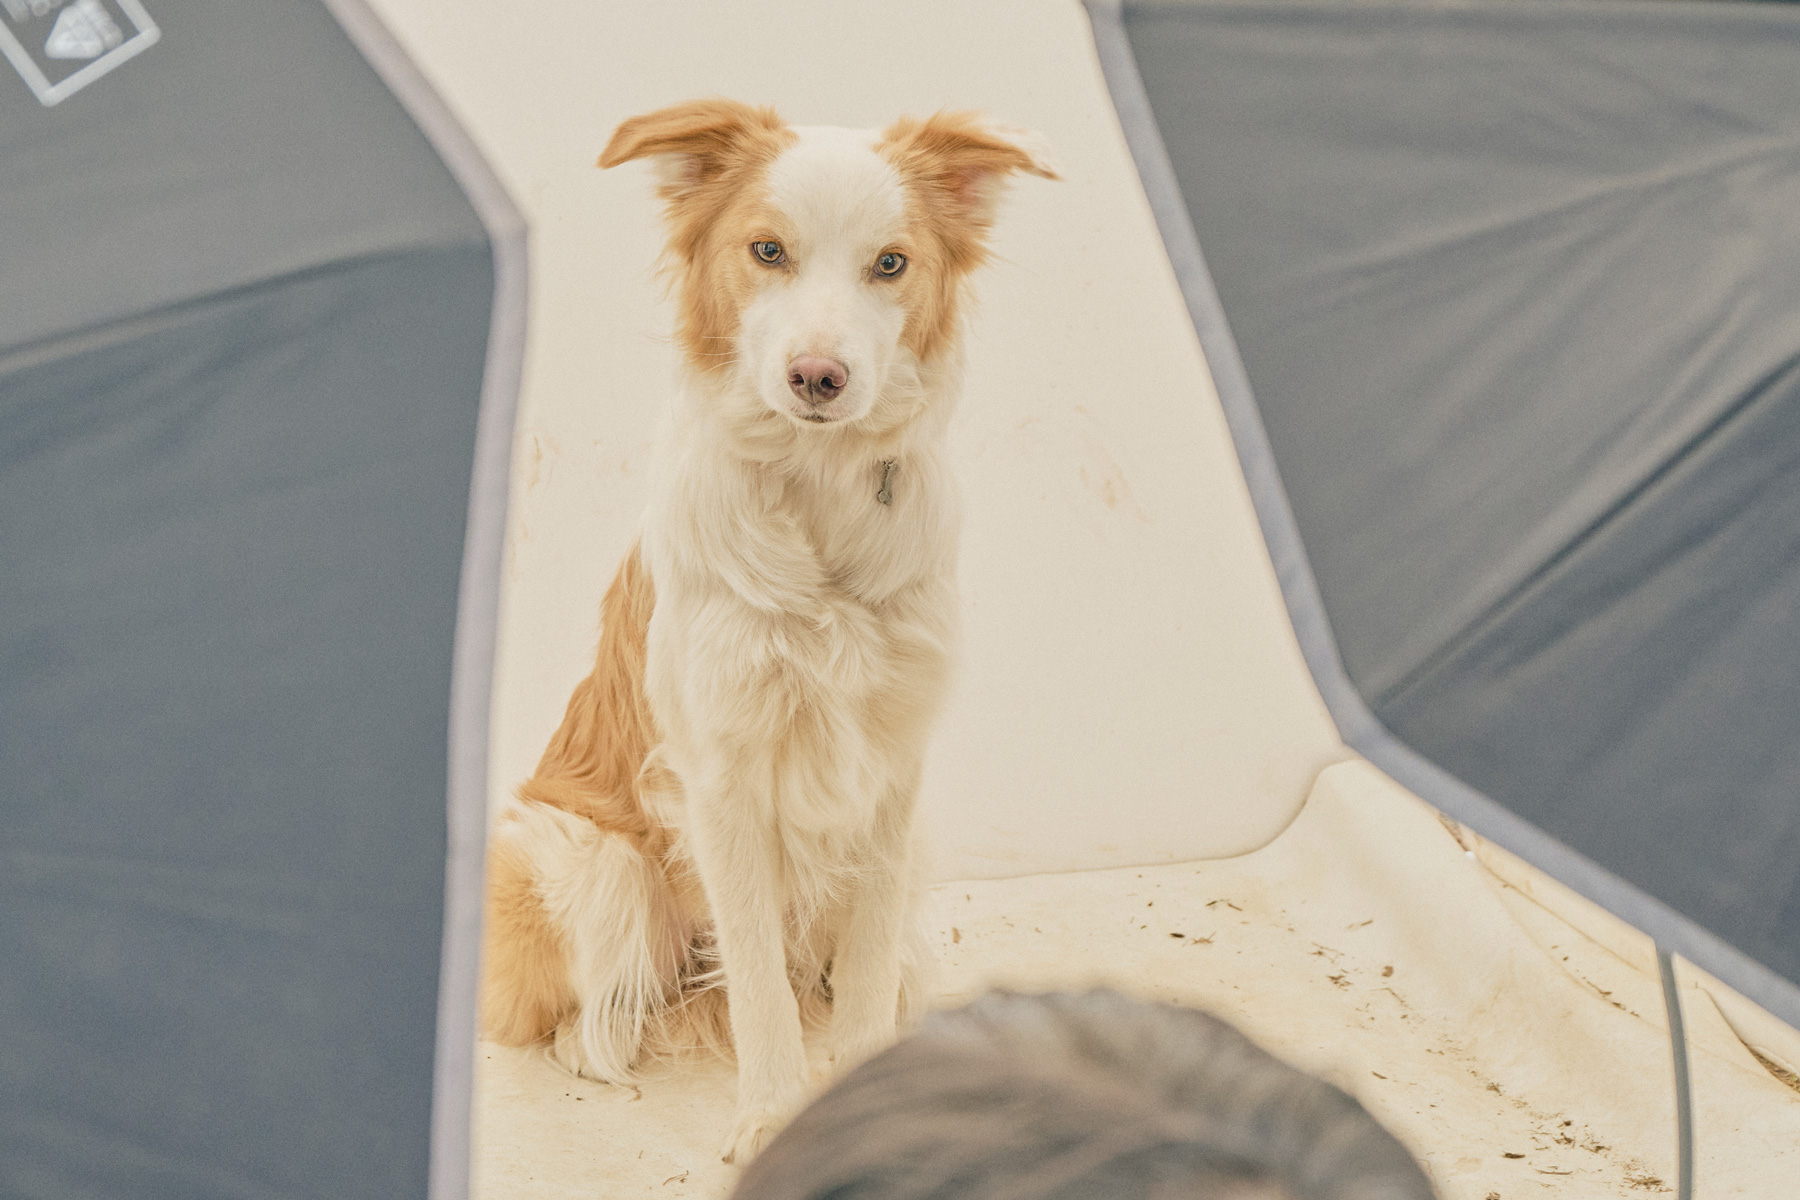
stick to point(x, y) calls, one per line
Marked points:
point(886, 492)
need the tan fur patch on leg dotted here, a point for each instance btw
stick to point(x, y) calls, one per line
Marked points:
point(525, 969)
point(592, 764)
point(593, 768)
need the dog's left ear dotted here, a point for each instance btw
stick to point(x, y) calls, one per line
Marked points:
point(964, 159)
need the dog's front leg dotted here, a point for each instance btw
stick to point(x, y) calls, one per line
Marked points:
point(866, 962)
point(740, 866)
point(865, 969)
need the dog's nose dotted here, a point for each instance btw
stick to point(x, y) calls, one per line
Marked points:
point(816, 378)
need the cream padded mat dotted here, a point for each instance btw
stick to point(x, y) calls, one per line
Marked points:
point(1518, 1056)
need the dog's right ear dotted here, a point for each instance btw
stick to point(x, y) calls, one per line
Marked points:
point(694, 143)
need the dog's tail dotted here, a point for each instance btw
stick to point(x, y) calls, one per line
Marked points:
point(697, 1024)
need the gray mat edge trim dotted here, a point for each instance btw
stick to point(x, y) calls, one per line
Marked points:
point(1358, 726)
point(478, 593)
point(1684, 1089)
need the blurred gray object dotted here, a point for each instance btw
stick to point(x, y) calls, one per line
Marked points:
point(1071, 1097)
point(249, 545)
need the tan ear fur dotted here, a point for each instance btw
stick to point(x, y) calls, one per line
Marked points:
point(954, 165)
point(963, 156)
point(709, 156)
point(697, 141)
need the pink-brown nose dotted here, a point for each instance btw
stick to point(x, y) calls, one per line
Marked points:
point(817, 379)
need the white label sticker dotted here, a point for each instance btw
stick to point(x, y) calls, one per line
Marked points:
point(61, 46)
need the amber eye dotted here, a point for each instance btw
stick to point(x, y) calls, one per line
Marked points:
point(890, 264)
point(769, 252)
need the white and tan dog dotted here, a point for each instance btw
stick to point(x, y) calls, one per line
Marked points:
point(730, 796)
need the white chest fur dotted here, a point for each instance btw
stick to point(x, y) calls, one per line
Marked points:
point(803, 628)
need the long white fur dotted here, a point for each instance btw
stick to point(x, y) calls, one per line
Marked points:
point(803, 631)
point(592, 881)
point(800, 646)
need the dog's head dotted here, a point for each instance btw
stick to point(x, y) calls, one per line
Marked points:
point(819, 268)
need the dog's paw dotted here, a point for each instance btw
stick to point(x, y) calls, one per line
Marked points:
point(749, 1134)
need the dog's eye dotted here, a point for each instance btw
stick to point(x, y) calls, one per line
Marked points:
point(890, 264)
point(769, 252)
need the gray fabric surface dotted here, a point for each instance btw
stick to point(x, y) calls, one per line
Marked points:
point(245, 317)
point(1516, 288)
point(477, 600)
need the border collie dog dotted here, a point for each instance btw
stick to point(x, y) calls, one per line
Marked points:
point(727, 808)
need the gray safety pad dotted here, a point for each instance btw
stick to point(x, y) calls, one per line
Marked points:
point(1516, 286)
point(247, 315)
